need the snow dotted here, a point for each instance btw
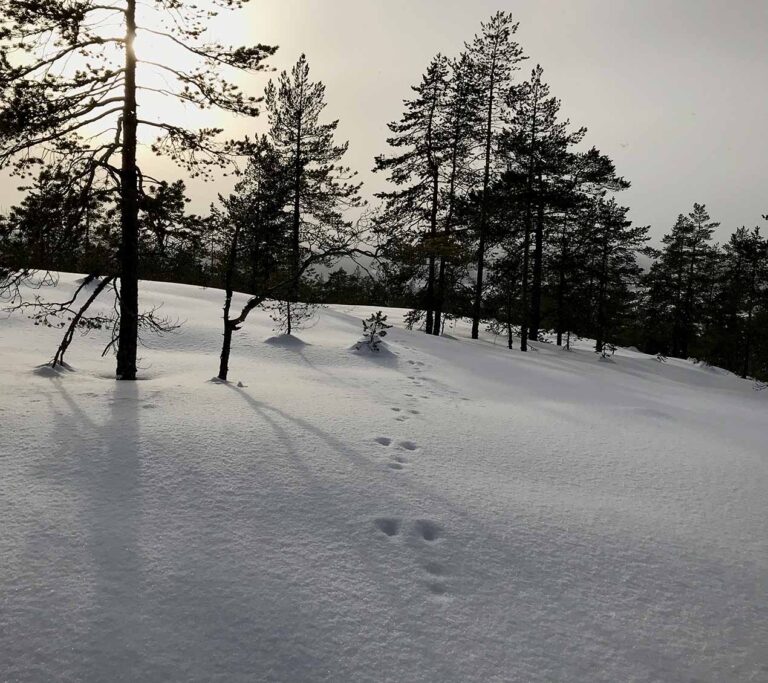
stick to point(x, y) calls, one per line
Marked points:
point(451, 511)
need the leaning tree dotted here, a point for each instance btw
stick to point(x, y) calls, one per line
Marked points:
point(73, 84)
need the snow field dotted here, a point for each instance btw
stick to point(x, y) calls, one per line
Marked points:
point(450, 511)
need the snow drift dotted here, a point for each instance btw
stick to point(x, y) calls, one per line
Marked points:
point(459, 512)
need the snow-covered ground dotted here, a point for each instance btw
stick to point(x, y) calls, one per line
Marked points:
point(452, 511)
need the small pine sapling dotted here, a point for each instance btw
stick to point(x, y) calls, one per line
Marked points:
point(607, 350)
point(413, 318)
point(374, 329)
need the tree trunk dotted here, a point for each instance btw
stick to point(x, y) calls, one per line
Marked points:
point(441, 278)
point(430, 296)
point(296, 240)
point(600, 336)
point(484, 209)
point(561, 288)
point(431, 322)
point(229, 326)
point(129, 213)
point(748, 329)
point(439, 299)
point(538, 255)
point(58, 358)
point(525, 308)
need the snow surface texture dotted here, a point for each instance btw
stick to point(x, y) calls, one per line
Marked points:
point(452, 511)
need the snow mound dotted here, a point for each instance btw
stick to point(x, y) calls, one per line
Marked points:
point(48, 370)
point(286, 341)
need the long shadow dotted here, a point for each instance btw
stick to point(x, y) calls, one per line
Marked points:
point(103, 482)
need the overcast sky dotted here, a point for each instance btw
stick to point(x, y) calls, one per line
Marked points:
point(675, 91)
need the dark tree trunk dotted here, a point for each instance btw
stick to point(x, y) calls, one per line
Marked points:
point(538, 255)
point(226, 345)
point(58, 358)
point(129, 214)
point(431, 321)
point(439, 299)
point(431, 296)
point(478, 303)
point(295, 237)
point(602, 287)
point(229, 325)
point(561, 284)
point(524, 308)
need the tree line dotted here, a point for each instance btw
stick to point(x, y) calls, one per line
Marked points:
point(495, 210)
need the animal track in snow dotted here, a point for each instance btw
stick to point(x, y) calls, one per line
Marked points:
point(396, 410)
point(414, 412)
point(437, 588)
point(408, 445)
point(388, 525)
point(434, 569)
point(429, 531)
point(395, 466)
point(383, 440)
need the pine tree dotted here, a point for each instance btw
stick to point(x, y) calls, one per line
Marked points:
point(320, 187)
point(539, 145)
point(460, 122)
point(587, 176)
point(677, 281)
point(494, 56)
point(614, 264)
point(412, 212)
point(745, 287)
point(48, 107)
point(374, 330)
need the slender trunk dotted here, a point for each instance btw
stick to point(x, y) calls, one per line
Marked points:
point(509, 300)
point(129, 213)
point(484, 208)
point(295, 237)
point(229, 325)
point(524, 308)
point(524, 284)
point(58, 358)
point(538, 255)
point(441, 278)
point(748, 329)
point(561, 284)
point(439, 298)
point(432, 323)
point(688, 310)
point(430, 296)
point(560, 308)
point(600, 336)
point(747, 345)
point(677, 325)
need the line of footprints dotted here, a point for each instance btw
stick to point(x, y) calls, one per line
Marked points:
point(399, 461)
point(428, 532)
point(425, 530)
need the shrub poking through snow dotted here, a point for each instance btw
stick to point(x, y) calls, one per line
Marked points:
point(374, 328)
point(607, 350)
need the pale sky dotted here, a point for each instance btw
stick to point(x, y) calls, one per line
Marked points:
point(675, 91)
